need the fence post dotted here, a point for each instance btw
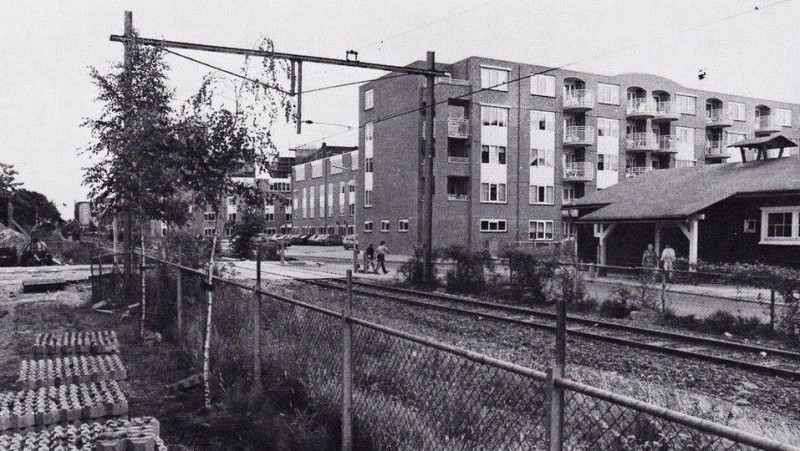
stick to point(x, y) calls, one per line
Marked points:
point(257, 323)
point(555, 395)
point(144, 295)
point(772, 310)
point(99, 279)
point(347, 376)
point(179, 298)
point(663, 291)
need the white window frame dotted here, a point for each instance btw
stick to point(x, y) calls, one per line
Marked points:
point(546, 161)
point(369, 99)
point(690, 111)
point(368, 198)
point(749, 226)
point(794, 239)
point(491, 114)
point(402, 225)
point(385, 226)
point(543, 85)
point(738, 107)
point(300, 173)
point(494, 154)
point(537, 192)
point(784, 117)
point(607, 127)
point(534, 232)
point(548, 117)
point(494, 78)
point(487, 198)
point(612, 100)
point(496, 222)
point(209, 231)
point(610, 162)
point(367, 226)
point(316, 169)
point(354, 160)
point(368, 165)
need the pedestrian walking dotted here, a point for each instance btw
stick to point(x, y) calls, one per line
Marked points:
point(369, 259)
point(668, 260)
point(382, 251)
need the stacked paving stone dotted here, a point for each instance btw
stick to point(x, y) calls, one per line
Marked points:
point(65, 403)
point(70, 370)
point(114, 435)
point(86, 342)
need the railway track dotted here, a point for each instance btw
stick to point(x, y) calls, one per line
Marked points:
point(757, 359)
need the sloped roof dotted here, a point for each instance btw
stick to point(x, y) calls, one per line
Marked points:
point(678, 193)
point(774, 141)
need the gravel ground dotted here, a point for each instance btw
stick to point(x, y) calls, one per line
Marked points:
point(763, 405)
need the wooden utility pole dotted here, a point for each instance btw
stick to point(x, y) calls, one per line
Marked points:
point(128, 227)
point(427, 208)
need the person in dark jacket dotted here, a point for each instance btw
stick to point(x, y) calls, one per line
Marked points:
point(369, 259)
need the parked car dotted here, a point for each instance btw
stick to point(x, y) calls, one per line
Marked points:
point(333, 240)
point(303, 239)
point(349, 242)
point(318, 239)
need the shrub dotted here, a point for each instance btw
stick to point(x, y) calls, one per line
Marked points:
point(244, 234)
point(192, 250)
point(413, 269)
point(719, 322)
point(528, 275)
point(469, 274)
point(618, 305)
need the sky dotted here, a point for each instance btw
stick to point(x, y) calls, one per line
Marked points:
point(48, 46)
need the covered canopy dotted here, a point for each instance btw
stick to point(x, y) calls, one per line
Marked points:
point(764, 143)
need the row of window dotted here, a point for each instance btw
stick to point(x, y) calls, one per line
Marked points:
point(538, 230)
point(385, 224)
point(335, 164)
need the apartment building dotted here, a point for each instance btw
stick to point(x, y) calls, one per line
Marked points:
point(324, 190)
point(509, 154)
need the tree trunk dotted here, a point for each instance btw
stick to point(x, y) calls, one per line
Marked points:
point(142, 275)
point(207, 341)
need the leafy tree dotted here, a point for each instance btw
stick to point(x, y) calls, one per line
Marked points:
point(32, 208)
point(245, 231)
point(8, 180)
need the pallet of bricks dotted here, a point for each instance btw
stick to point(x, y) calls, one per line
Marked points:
point(72, 400)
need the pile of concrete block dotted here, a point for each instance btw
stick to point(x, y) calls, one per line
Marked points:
point(140, 434)
point(65, 403)
point(85, 342)
point(70, 370)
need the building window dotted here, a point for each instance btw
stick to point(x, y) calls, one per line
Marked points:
point(352, 209)
point(495, 79)
point(737, 110)
point(493, 225)
point(784, 117)
point(568, 230)
point(493, 192)
point(231, 217)
point(368, 164)
point(749, 226)
point(367, 226)
point(779, 225)
point(316, 169)
point(384, 225)
point(354, 160)
point(542, 158)
point(369, 99)
point(540, 194)
point(209, 231)
point(543, 85)
point(369, 131)
point(685, 136)
point(300, 173)
point(543, 121)
point(493, 154)
point(607, 127)
point(288, 217)
point(269, 216)
point(606, 162)
point(368, 198)
point(209, 216)
point(402, 225)
point(351, 230)
point(568, 193)
point(457, 188)
point(540, 230)
point(336, 164)
point(494, 116)
point(607, 93)
point(686, 104)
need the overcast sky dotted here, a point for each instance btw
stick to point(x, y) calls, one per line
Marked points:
point(46, 47)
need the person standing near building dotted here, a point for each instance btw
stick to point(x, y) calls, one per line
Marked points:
point(369, 259)
point(382, 251)
point(667, 260)
point(649, 261)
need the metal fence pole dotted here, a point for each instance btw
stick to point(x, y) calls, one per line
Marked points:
point(257, 323)
point(179, 299)
point(555, 395)
point(772, 310)
point(142, 306)
point(347, 376)
point(663, 291)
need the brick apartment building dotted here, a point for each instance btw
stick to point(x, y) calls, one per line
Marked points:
point(324, 190)
point(508, 157)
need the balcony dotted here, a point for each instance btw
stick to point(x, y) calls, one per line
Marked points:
point(457, 128)
point(577, 100)
point(666, 110)
point(717, 149)
point(635, 171)
point(642, 141)
point(767, 124)
point(457, 159)
point(579, 135)
point(451, 81)
point(718, 117)
point(578, 171)
point(667, 143)
point(641, 108)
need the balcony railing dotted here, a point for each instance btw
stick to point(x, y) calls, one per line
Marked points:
point(719, 117)
point(685, 163)
point(458, 128)
point(457, 196)
point(452, 81)
point(457, 159)
point(717, 149)
point(642, 141)
point(767, 123)
point(579, 135)
point(667, 143)
point(641, 107)
point(634, 171)
point(579, 99)
point(579, 171)
point(667, 110)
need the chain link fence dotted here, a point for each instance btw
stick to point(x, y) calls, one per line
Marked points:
point(395, 390)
